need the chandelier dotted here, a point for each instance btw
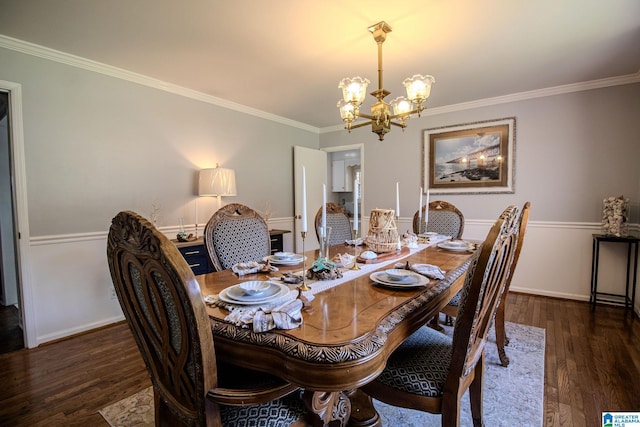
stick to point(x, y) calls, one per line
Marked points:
point(354, 90)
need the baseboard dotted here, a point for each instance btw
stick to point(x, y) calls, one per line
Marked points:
point(78, 330)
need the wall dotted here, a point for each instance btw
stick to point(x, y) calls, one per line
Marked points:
point(572, 150)
point(96, 144)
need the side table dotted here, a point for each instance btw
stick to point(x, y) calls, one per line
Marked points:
point(630, 287)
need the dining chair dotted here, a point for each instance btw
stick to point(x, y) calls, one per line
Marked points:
point(451, 309)
point(236, 233)
point(431, 371)
point(337, 221)
point(162, 303)
point(444, 218)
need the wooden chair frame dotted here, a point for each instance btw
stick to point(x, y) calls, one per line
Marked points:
point(161, 301)
point(483, 288)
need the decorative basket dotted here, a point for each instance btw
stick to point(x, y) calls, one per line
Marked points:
point(383, 233)
point(615, 215)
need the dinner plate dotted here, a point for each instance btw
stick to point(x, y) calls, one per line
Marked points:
point(454, 246)
point(289, 261)
point(235, 295)
point(416, 281)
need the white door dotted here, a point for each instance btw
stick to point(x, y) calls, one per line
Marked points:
point(315, 165)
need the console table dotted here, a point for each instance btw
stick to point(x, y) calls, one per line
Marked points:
point(629, 296)
point(195, 253)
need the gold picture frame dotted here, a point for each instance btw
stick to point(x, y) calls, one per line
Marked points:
point(470, 158)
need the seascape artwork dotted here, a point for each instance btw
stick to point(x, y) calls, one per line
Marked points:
point(469, 158)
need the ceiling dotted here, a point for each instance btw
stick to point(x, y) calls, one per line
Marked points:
point(286, 57)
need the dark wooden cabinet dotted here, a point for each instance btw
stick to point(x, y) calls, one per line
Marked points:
point(195, 254)
point(277, 240)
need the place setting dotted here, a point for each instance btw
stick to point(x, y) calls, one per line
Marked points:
point(399, 278)
point(252, 293)
point(285, 258)
point(457, 246)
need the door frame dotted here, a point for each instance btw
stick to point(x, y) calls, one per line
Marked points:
point(23, 255)
point(350, 147)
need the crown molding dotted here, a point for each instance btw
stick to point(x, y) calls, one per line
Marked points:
point(98, 67)
point(119, 73)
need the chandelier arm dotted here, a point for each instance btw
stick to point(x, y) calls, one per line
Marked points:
point(401, 125)
point(407, 114)
point(359, 125)
point(365, 116)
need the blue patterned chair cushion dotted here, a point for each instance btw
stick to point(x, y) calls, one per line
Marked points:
point(420, 365)
point(281, 412)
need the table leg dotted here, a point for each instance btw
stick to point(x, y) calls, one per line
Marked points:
point(327, 408)
point(594, 273)
point(363, 413)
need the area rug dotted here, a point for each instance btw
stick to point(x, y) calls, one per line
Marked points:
point(512, 396)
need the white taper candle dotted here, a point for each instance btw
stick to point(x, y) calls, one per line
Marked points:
point(303, 226)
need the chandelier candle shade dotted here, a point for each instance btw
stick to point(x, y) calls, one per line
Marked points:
point(381, 118)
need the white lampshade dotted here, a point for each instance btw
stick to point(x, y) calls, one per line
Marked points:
point(217, 182)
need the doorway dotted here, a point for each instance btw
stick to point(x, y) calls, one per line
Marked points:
point(11, 336)
point(319, 169)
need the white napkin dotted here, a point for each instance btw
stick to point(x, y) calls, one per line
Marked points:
point(250, 267)
point(283, 314)
point(429, 270)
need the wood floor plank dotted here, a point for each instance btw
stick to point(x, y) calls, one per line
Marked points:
point(592, 361)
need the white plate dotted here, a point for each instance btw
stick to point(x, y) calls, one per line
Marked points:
point(290, 261)
point(235, 295)
point(398, 274)
point(382, 278)
point(454, 246)
point(285, 255)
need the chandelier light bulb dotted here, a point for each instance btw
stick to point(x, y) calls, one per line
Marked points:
point(347, 111)
point(418, 87)
point(401, 105)
point(354, 89)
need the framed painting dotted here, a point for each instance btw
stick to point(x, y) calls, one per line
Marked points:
point(470, 158)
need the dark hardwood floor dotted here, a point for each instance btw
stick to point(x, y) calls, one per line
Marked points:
point(592, 364)
point(11, 338)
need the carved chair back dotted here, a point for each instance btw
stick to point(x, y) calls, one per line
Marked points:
point(162, 303)
point(236, 233)
point(501, 335)
point(338, 221)
point(444, 218)
point(482, 292)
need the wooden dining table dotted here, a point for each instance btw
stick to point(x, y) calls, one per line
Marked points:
point(346, 336)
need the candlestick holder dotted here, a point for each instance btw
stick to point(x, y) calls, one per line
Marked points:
point(355, 250)
point(303, 286)
point(195, 232)
point(399, 238)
